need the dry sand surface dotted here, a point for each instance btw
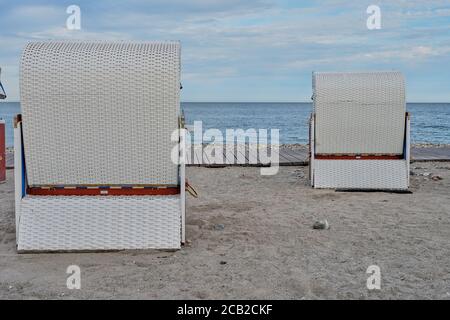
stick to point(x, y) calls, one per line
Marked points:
point(266, 248)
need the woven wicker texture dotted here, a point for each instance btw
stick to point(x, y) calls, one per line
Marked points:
point(359, 112)
point(100, 113)
point(99, 223)
point(361, 174)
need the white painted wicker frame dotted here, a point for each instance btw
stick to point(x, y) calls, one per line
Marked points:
point(359, 112)
point(100, 112)
point(80, 223)
point(358, 173)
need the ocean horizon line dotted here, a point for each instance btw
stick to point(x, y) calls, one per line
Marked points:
point(268, 102)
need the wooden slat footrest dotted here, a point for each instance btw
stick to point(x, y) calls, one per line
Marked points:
point(102, 191)
point(358, 157)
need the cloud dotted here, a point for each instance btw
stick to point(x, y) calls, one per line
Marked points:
point(234, 41)
point(35, 12)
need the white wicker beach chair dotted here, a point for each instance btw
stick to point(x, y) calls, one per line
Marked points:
point(93, 167)
point(359, 131)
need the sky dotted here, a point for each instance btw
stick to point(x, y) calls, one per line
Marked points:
point(252, 50)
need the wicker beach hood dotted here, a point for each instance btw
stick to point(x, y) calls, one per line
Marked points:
point(99, 113)
point(359, 113)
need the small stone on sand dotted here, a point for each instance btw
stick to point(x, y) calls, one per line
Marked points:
point(321, 225)
point(219, 227)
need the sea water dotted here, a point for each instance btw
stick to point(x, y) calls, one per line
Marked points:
point(430, 122)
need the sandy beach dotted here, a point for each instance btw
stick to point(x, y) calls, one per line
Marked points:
point(251, 237)
point(182, 151)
